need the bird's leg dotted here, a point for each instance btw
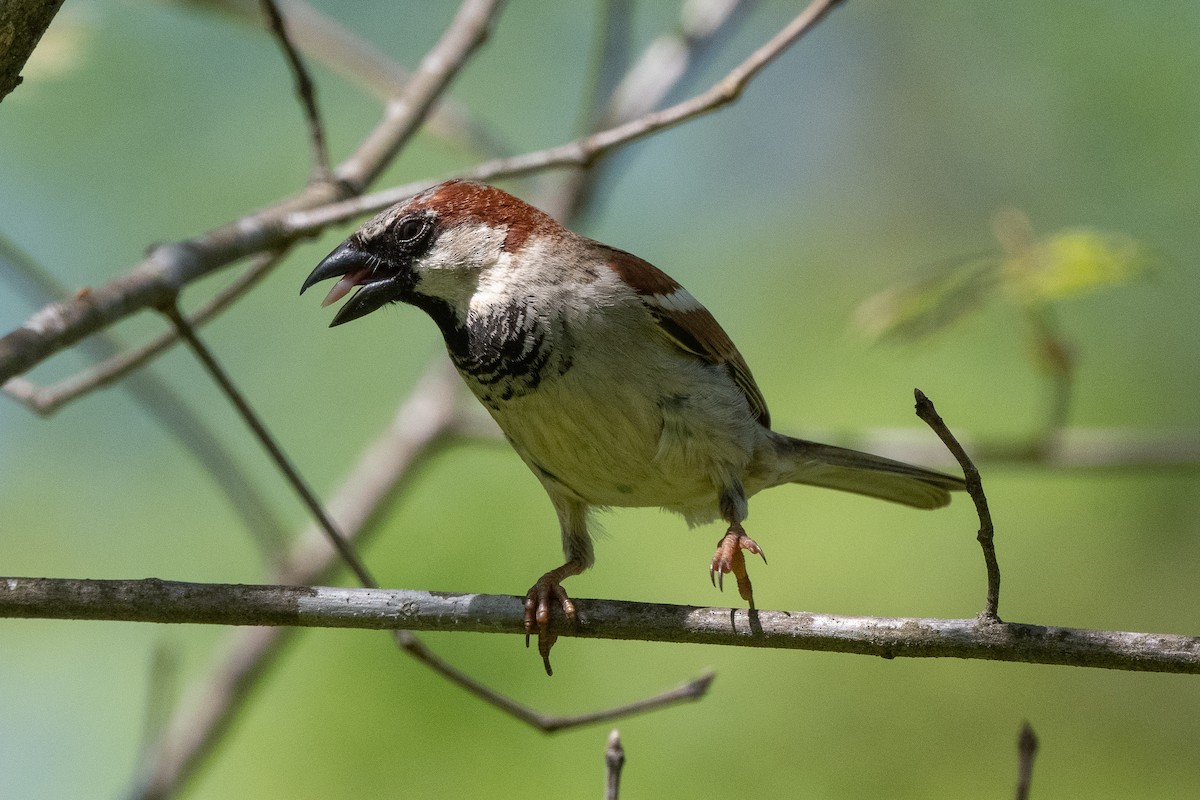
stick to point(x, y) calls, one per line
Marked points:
point(537, 606)
point(729, 558)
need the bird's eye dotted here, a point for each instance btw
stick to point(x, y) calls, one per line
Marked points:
point(411, 230)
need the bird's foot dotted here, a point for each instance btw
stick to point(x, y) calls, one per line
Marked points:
point(729, 558)
point(538, 600)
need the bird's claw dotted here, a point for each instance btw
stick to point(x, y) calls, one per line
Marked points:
point(729, 558)
point(537, 613)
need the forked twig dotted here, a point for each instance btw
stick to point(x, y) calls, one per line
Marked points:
point(172, 267)
point(586, 149)
point(45, 400)
point(927, 412)
point(406, 640)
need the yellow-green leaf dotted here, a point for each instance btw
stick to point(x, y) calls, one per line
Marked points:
point(1075, 261)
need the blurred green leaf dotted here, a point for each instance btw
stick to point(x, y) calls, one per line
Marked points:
point(1029, 271)
point(1075, 261)
point(934, 301)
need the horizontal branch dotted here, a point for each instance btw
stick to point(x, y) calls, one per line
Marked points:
point(155, 600)
point(1073, 448)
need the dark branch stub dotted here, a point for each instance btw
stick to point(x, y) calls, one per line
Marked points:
point(1027, 747)
point(930, 416)
point(614, 760)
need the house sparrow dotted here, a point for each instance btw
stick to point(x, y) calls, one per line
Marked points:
point(613, 384)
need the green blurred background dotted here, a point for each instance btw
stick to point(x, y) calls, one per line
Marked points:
point(881, 143)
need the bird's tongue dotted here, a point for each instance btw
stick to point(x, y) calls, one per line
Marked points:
point(343, 286)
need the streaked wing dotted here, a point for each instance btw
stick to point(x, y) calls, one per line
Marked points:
point(688, 324)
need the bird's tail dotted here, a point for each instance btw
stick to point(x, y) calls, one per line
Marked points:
point(851, 471)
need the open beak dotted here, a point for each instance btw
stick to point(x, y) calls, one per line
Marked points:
point(377, 285)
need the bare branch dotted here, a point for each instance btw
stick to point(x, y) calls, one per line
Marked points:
point(929, 414)
point(156, 281)
point(584, 150)
point(402, 609)
point(324, 40)
point(259, 429)
point(46, 400)
point(161, 402)
point(172, 267)
point(22, 23)
point(305, 90)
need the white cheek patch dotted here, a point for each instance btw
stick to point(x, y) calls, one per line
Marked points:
point(474, 247)
point(679, 301)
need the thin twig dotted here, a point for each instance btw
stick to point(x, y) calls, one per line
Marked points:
point(614, 762)
point(172, 267)
point(927, 412)
point(419, 429)
point(665, 64)
point(45, 400)
point(305, 90)
point(423, 423)
point(409, 609)
point(690, 690)
point(324, 40)
point(584, 150)
point(264, 437)
point(161, 402)
point(1027, 747)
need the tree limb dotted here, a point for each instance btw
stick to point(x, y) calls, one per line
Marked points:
point(171, 267)
point(22, 23)
point(582, 151)
point(154, 600)
point(156, 280)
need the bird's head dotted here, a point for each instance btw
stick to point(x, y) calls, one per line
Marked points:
point(433, 250)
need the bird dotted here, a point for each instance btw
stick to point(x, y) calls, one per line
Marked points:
point(613, 384)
